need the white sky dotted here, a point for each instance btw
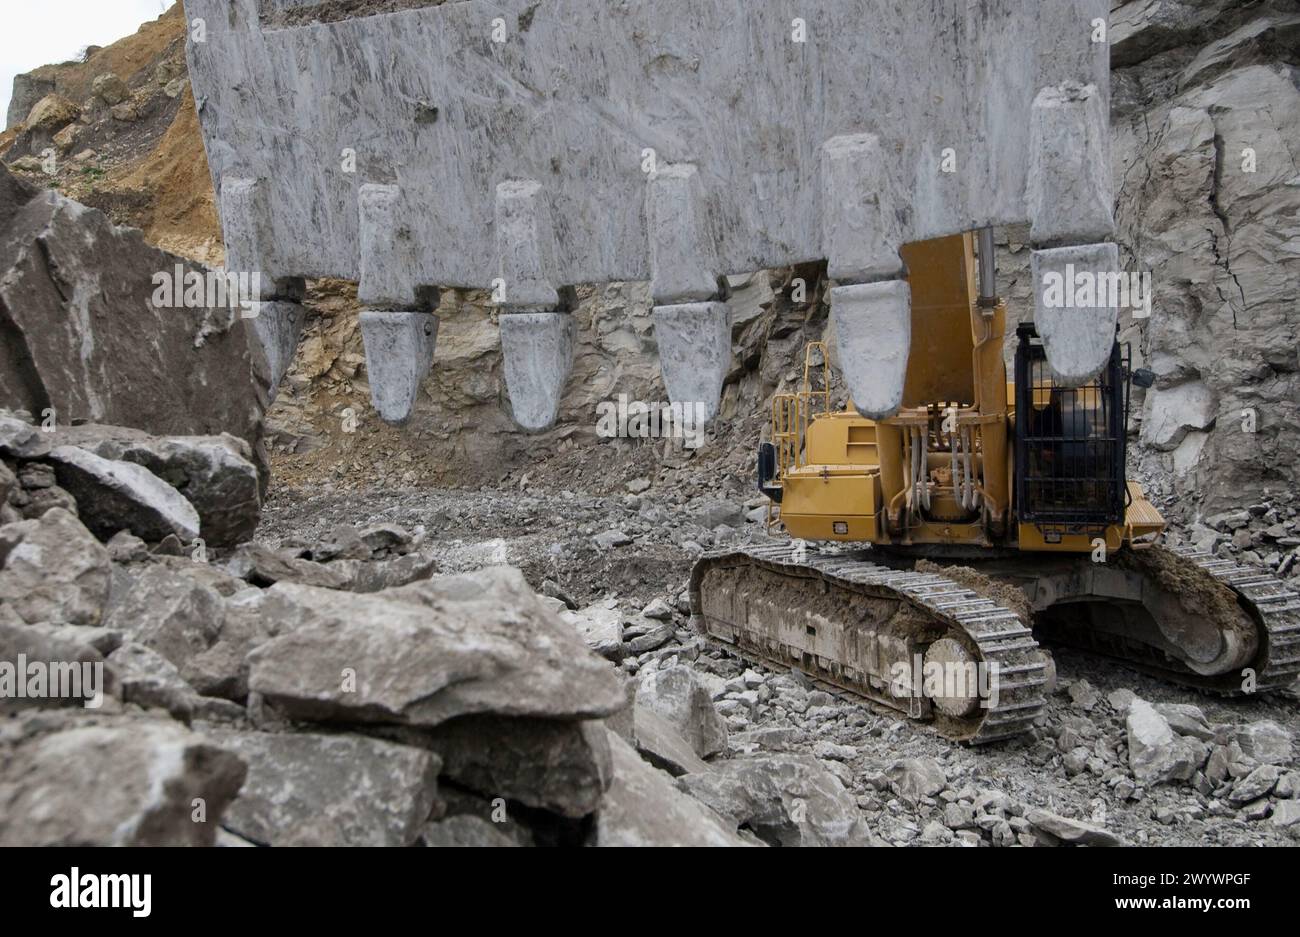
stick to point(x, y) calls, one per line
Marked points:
point(42, 32)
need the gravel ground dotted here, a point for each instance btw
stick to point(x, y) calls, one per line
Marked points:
point(628, 551)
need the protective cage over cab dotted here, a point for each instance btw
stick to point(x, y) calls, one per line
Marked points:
point(1070, 444)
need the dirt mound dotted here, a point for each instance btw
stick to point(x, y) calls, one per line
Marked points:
point(134, 151)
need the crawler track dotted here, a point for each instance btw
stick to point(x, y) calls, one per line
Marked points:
point(1273, 606)
point(731, 595)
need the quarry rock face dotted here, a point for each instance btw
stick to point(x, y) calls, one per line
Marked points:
point(27, 90)
point(1222, 333)
point(84, 340)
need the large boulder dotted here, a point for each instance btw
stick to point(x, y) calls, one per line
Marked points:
point(677, 695)
point(74, 669)
point(89, 781)
point(53, 570)
point(916, 778)
point(378, 575)
point(84, 338)
point(1186, 719)
point(424, 653)
point(113, 496)
point(1067, 830)
point(149, 680)
point(110, 88)
point(563, 767)
point(170, 612)
point(1255, 785)
point(247, 619)
point(20, 440)
point(258, 564)
point(601, 627)
point(662, 745)
point(1171, 413)
point(1266, 742)
point(786, 800)
point(643, 808)
point(329, 790)
point(215, 474)
point(1156, 754)
point(51, 113)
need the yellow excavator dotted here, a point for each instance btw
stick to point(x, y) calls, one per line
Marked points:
point(928, 551)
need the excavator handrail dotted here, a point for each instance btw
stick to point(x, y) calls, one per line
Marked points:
point(792, 412)
point(807, 390)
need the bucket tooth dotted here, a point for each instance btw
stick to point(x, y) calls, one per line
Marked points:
point(1069, 195)
point(399, 352)
point(386, 250)
point(861, 232)
point(277, 320)
point(244, 224)
point(692, 328)
point(278, 327)
point(537, 348)
point(681, 252)
point(873, 330)
point(694, 353)
point(537, 337)
point(1077, 337)
point(525, 241)
point(1069, 187)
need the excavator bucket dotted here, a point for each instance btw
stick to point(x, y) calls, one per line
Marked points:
point(526, 146)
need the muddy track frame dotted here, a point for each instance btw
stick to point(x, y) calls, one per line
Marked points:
point(997, 634)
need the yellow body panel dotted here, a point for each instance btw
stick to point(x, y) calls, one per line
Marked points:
point(1033, 539)
point(846, 528)
point(818, 498)
point(941, 338)
point(1141, 519)
point(842, 439)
